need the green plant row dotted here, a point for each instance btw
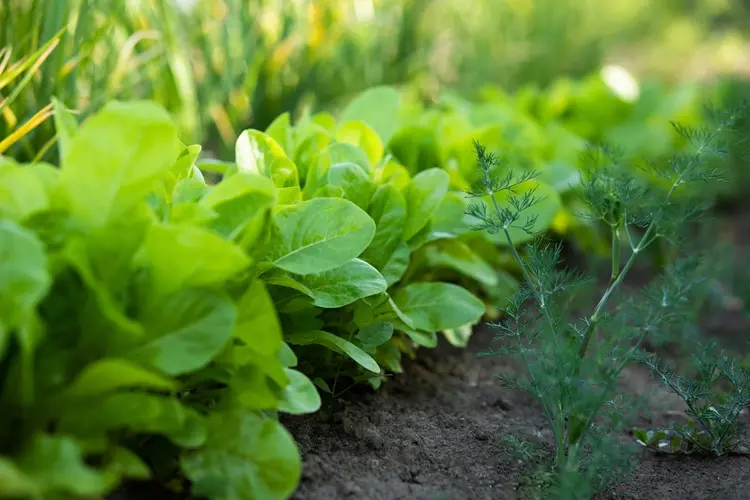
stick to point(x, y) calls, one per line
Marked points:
point(153, 324)
point(159, 310)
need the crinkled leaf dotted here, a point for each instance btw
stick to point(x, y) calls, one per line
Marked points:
point(246, 457)
point(319, 235)
point(337, 344)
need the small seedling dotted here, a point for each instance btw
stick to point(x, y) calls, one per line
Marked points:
point(713, 427)
point(571, 368)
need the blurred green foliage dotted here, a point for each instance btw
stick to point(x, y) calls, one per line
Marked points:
point(220, 66)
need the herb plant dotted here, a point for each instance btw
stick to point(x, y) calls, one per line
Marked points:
point(571, 367)
point(714, 399)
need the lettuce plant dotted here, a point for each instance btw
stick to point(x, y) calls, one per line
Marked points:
point(153, 324)
point(135, 339)
point(346, 230)
point(570, 368)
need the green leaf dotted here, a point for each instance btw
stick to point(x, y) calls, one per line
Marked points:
point(449, 216)
point(125, 463)
point(361, 135)
point(343, 152)
point(186, 331)
point(257, 322)
point(388, 210)
point(258, 153)
point(416, 148)
point(354, 182)
point(108, 375)
point(286, 356)
point(460, 336)
point(438, 306)
point(115, 157)
point(457, 255)
point(319, 235)
point(378, 107)
point(375, 334)
point(423, 196)
point(343, 285)
point(251, 387)
point(188, 256)
point(246, 457)
point(300, 395)
point(14, 483)
point(24, 279)
point(55, 464)
point(336, 344)
point(137, 412)
point(306, 156)
point(280, 130)
point(237, 201)
point(66, 126)
point(22, 192)
point(397, 264)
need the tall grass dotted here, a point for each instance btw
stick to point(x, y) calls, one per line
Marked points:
point(222, 65)
point(217, 65)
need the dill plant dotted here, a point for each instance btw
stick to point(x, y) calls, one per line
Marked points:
point(571, 367)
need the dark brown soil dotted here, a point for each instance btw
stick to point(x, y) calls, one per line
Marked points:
point(433, 433)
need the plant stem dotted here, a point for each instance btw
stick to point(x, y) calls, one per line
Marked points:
point(642, 244)
point(616, 246)
point(537, 293)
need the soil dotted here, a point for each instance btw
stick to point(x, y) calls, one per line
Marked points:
point(434, 433)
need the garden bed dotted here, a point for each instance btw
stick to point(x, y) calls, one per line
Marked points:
point(435, 432)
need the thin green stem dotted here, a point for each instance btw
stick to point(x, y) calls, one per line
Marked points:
point(616, 246)
point(642, 244)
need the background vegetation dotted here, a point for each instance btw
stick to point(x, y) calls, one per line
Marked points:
point(220, 66)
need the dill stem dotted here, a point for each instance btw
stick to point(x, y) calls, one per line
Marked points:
point(642, 244)
point(616, 246)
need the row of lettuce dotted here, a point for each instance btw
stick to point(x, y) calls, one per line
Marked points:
point(154, 322)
